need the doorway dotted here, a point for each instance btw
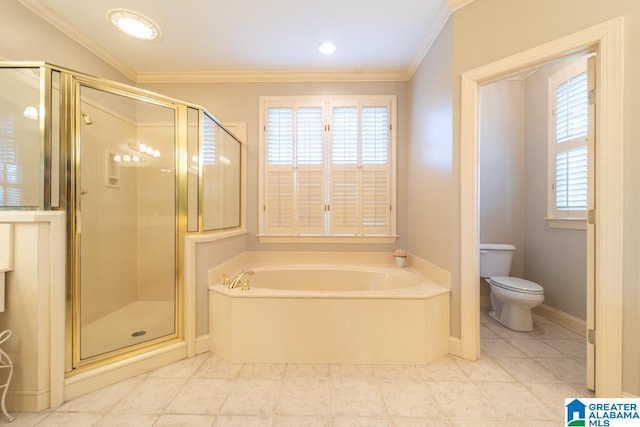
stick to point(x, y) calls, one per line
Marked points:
point(125, 286)
point(518, 138)
point(606, 40)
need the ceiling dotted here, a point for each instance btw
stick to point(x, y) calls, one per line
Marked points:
point(215, 40)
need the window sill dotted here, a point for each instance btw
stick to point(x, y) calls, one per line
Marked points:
point(567, 223)
point(328, 239)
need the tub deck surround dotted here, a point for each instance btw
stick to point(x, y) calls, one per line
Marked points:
point(330, 313)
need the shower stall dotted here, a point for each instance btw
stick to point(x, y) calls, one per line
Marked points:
point(134, 172)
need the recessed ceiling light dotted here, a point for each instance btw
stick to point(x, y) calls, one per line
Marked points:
point(134, 24)
point(327, 48)
point(31, 113)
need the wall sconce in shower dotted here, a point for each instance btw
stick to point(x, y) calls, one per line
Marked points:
point(145, 149)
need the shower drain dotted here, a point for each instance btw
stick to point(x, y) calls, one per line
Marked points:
point(138, 333)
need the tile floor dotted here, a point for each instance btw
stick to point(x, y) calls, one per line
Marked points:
point(520, 380)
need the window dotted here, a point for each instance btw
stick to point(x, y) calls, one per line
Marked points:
point(327, 167)
point(568, 138)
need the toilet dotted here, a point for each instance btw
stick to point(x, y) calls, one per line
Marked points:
point(512, 298)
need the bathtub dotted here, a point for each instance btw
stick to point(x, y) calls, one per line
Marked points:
point(330, 314)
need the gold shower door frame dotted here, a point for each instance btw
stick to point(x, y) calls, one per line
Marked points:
point(71, 117)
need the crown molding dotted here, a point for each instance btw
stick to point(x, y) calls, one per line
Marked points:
point(273, 77)
point(432, 34)
point(457, 4)
point(447, 7)
point(44, 12)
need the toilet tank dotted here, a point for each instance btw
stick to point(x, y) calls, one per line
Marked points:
point(495, 259)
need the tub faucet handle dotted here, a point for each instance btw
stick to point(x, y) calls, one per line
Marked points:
point(246, 285)
point(225, 280)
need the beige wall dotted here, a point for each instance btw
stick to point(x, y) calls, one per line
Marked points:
point(430, 161)
point(502, 170)
point(488, 30)
point(502, 167)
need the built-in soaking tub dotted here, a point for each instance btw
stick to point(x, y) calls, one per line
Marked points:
point(330, 314)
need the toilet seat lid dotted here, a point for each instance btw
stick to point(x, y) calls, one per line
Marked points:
point(517, 284)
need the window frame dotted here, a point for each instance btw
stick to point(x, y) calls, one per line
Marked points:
point(563, 218)
point(327, 102)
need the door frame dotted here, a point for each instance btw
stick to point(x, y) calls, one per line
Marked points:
point(607, 39)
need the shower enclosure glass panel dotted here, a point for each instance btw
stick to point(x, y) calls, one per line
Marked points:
point(126, 222)
point(220, 162)
point(20, 138)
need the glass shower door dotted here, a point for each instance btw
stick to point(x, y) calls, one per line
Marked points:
point(126, 286)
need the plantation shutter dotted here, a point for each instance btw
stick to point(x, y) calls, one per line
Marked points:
point(359, 170)
point(279, 169)
point(309, 171)
point(326, 167)
point(375, 179)
point(344, 189)
point(571, 131)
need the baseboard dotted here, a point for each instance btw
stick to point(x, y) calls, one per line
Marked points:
point(203, 344)
point(629, 396)
point(563, 319)
point(455, 347)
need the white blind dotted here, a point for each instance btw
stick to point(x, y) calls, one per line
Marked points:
point(280, 136)
point(344, 135)
point(279, 201)
point(309, 173)
point(572, 109)
point(327, 168)
point(309, 136)
point(571, 130)
point(571, 179)
point(375, 135)
point(344, 201)
point(309, 202)
point(360, 191)
point(375, 201)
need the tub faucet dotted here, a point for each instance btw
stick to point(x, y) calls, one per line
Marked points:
point(239, 277)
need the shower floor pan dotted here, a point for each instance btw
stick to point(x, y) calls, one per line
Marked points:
point(132, 324)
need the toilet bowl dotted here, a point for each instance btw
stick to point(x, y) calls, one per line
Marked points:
point(512, 298)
